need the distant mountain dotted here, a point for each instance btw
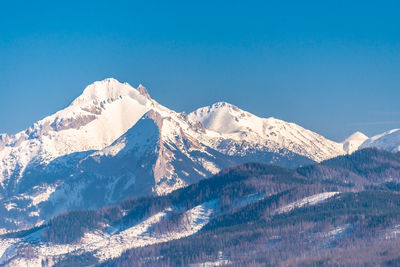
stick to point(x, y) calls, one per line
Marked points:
point(115, 141)
point(354, 141)
point(341, 211)
point(389, 140)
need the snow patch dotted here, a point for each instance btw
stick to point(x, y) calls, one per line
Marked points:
point(43, 195)
point(225, 121)
point(311, 200)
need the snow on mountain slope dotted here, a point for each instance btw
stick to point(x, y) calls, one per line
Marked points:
point(354, 141)
point(94, 120)
point(272, 134)
point(115, 142)
point(160, 153)
point(307, 201)
point(389, 140)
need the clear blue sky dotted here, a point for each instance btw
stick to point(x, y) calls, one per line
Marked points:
point(330, 66)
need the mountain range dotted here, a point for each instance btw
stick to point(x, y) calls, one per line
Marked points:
point(114, 142)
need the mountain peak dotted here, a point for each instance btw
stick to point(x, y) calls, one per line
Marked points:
point(356, 136)
point(109, 90)
point(109, 80)
point(103, 112)
point(221, 117)
point(102, 91)
point(354, 141)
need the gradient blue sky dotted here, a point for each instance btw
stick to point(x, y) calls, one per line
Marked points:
point(330, 66)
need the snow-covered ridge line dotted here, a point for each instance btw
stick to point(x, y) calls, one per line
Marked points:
point(389, 141)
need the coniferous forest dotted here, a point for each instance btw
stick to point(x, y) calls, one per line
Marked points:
point(262, 215)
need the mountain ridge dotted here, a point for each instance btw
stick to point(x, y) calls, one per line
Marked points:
point(115, 141)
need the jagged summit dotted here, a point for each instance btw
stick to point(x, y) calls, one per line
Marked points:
point(222, 104)
point(109, 90)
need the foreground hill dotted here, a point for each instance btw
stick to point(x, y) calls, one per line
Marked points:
point(344, 210)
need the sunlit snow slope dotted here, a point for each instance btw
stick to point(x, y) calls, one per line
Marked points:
point(389, 140)
point(354, 141)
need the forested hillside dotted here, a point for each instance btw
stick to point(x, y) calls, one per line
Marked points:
point(344, 210)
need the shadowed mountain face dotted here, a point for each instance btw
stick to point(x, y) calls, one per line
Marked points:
point(343, 210)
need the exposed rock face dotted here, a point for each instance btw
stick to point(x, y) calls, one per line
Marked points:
point(74, 123)
point(143, 91)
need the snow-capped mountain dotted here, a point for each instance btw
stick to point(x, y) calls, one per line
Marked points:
point(354, 141)
point(94, 120)
point(389, 140)
point(250, 131)
point(115, 141)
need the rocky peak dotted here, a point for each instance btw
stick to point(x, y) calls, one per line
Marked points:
point(143, 91)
